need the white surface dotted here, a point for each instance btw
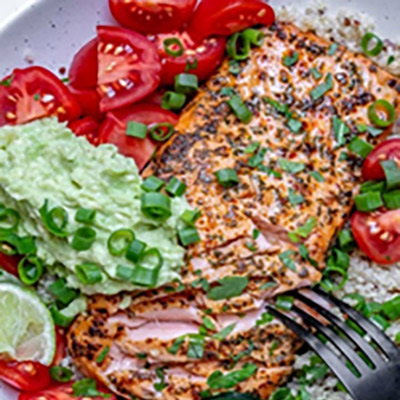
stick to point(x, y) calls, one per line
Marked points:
point(49, 32)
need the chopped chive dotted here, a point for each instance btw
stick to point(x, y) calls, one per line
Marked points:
point(135, 251)
point(188, 236)
point(392, 173)
point(9, 220)
point(391, 308)
point(61, 374)
point(295, 198)
point(323, 88)
point(136, 130)
point(373, 186)
point(367, 202)
point(186, 83)
point(279, 107)
point(240, 109)
point(119, 241)
point(366, 41)
point(88, 273)
point(360, 147)
point(341, 130)
point(161, 132)
point(7, 82)
point(152, 184)
point(346, 240)
point(30, 270)
point(173, 101)
point(191, 65)
point(175, 187)
point(144, 276)
point(55, 220)
point(62, 292)
point(124, 273)
point(291, 60)
point(234, 67)
point(380, 321)
point(85, 215)
point(26, 245)
point(227, 177)
point(291, 166)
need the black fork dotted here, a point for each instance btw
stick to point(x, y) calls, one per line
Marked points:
point(378, 379)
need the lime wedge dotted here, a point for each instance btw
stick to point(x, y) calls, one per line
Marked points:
point(26, 326)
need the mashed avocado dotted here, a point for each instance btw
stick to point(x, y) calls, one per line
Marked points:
point(43, 161)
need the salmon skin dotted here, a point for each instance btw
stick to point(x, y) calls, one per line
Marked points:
point(269, 233)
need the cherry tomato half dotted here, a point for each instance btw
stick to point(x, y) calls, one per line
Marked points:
point(34, 93)
point(224, 17)
point(199, 59)
point(9, 263)
point(89, 100)
point(128, 67)
point(60, 392)
point(27, 376)
point(378, 235)
point(87, 127)
point(113, 130)
point(152, 16)
point(372, 169)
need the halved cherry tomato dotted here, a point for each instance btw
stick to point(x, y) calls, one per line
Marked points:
point(378, 235)
point(389, 150)
point(128, 67)
point(113, 130)
point(224, 17)
point(89, 100)
point(83, 70)
point(199, 59)
point(60, 346)
point(27, 376)
point(34, 93)
point(152, 16)
point(61, 392)
point(9, 263)
point(87, 127)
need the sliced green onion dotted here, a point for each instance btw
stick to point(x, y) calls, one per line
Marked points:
point(234, 67)
point(252, 148)
point(124, 273)
point(295, 198)
point(190, 65)
point(7, 82)
point(83, 239)
point(227, 177)
point(55, 220)
point(289, 61)
point(255, 36)
point(63, 293)
point(161, 132)
point(256, 160)
point(229, 287)
point(173, 101)
point(144, 276)
point(30, 270)
point(346, 240)
point(390, 60)
point(380, 321)
point(9, 244)
point(152, 184)
point(87, 388)
point(240, 109)
point(341, 258)
point(397, 338)
point(136, 130)
point(188, 236)
point(186, 83)
point(315, 73)
point(360, 147)
point(238, 47)
point(119, 241)
point(61, 374)
point(26, 245)
point(156, 206)
point(392, 199)
point(88, 273)
point(367, 202)
point(9, 220)
point(173, 47)
point(323, 88)
point(328, 284)
point(305, 230)
point(333, 49)
point(295, 125)
point(392, 308)
point(85, 215)
point(291, 166)
point(285, 302)
point(341, 130)
point(135, 251)
point(392, 173)
point(279, 107)
point(102, 356)
point(373, 186)
point(175, 187)
point(366, 41)
point(190, 217)
point(385, 107)
point(317, 176)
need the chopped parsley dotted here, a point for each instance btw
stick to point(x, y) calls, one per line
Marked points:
point(7, 82)
point(217, 380)
point(256, 160)
point(317, 176)
point(295, 198)
point(291, 166)
point(287, 261)
point(229, 287)
point(225, 332)
point(252, 148)
point(266, 318)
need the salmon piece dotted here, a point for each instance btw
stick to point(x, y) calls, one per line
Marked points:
point(294, 167)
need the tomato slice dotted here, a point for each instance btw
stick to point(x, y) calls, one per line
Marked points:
point(27, 376)
point(388, 150)
point(152, 16)
point(378, 235)
point(113, 130)
point(35, 93)
point(199, 59)
point(60, 346)
point(9, 263)
point(60, 392)
point(224, 17)
point(87, 127)
point(89, 100)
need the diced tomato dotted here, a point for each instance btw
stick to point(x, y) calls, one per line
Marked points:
point(378, 235)
point(9, 263)
point(60, 346)
point(89, 100)
point(128, 67)
point(152, 16)
point(389, 150)
point(113, 130)
point(199, 59)
point(61, 392)
point(35, 93)
point(87, 127)
point(27, 376)
point(224, 17)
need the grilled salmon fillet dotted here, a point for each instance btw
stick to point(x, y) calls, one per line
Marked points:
point(297, 179)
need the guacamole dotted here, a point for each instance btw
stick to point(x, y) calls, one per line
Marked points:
point(44, 163)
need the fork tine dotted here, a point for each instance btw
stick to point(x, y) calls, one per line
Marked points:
point(358, 340)
point(386, 345)
point(336, 340)
point(333, 362)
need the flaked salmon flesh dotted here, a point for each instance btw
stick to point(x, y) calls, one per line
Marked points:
point(294, 169)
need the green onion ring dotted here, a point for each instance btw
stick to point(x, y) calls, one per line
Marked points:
point(328, 285)
point(173, 42)
point(11, 219)
point(83, 239)
point(49, 219)
point(158, 132)
point(238, 47)
point(126, 236)
point(389, 110)
point(366, 40)
point(30, 270)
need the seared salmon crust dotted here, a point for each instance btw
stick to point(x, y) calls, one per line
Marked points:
point(309, 100)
